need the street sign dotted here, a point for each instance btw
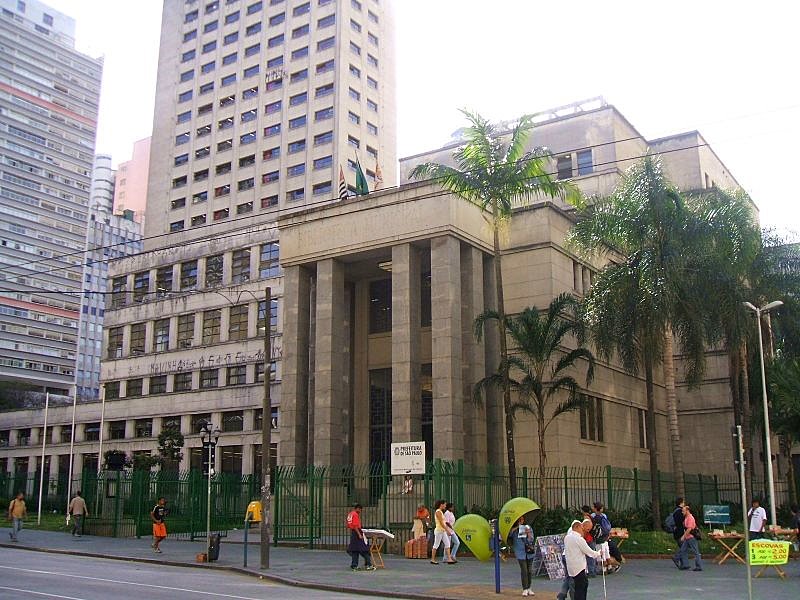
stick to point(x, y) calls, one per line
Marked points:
point(408, 458)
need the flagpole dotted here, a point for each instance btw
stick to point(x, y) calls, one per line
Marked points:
point(71, 447)
point(41, 465)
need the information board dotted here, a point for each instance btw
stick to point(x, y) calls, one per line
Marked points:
point(717, 514)
point(408, 458)
point(769, 552)
point(549, 550)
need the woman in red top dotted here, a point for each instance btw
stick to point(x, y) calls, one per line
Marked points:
point(358, 543)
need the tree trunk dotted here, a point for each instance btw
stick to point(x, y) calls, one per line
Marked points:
point(672, 415)
point(655, 486)
point(786, 449)
point(747, 418)
point(541, 500)
point(501, 313)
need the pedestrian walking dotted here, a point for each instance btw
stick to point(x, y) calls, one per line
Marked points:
point(568, 585)
point(588, 525)
point(440, 535)
point(690, 541)
point(576, 550)
point(758, 520)
point(449, 520)
point(524, 552)
point(16, 514)
point(601, 531)
point(358, 541)
point(674, 524)
point(158, 515)
point(78, 512)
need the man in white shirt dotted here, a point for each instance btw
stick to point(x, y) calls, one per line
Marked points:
point(576, 550)
point(758, 519)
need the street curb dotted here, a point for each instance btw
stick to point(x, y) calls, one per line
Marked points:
point(239, 570)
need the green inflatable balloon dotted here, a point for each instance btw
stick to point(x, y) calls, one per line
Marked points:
point(512, 511)
point(475, 532)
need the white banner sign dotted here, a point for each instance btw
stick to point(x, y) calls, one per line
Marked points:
point(408, 458)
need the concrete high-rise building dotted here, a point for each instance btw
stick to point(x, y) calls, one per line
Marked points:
point(48, 119)
point(108, 236)
point(130, 191)
point(258, 104)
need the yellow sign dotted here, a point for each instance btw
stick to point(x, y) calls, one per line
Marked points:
point(768, 552)
point(475, 532)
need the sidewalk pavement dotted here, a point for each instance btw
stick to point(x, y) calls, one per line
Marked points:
point(404, 578)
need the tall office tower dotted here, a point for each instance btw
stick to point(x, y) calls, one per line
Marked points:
point(258, 103)
point(48, 119)
point(108, 236)
point(130, 190)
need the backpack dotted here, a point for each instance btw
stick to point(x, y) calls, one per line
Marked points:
point(601, 528)
point(669, 523)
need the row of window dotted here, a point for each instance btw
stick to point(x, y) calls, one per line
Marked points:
point(584, 164)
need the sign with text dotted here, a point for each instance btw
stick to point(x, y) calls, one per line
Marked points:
point(769, 552)
point(408, 458)
point(717, 514)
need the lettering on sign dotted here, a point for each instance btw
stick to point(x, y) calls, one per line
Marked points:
point(408, 458)
point(768, 552)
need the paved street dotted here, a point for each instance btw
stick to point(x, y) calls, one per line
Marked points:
point(34, 575)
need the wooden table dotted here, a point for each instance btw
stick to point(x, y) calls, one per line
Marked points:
point(729, 546)
point(620, 534)
point(377, 538)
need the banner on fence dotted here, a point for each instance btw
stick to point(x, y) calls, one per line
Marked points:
point(408, 458)
point(769, 552)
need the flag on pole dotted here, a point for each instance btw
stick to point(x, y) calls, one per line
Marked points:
point(342, 185)
point(362, 188)
point(378, 174)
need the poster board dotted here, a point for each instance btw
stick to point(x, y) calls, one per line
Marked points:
point(549, 552)
point(769, 552)
point(408, 458)
point(717, 514)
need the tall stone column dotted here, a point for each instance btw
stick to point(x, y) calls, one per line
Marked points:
point(294, 386)
point(448, 398)
point(473, 365)
point(406, 394)
point(493, 400)
point(330, 403)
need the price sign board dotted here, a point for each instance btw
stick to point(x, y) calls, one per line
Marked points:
point(769, 552)
point(408, 458)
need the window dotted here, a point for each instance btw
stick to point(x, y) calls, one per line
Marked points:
point(116, 429)
point(232, 18)
point(163, 281)
point(247, 138)
point(226, 123)
point(187, 75)
point(302, 9)
point(326, 21)
point(190, 16)
point(273, 317)
point(230, 38)
point(269, 201)
point(250, 72)
point(380, 306)
point(297, 122)
point(185, 331)
point(354, 142)
point(299, 32)
point(181, 159)
point(229, 59)
point(182, 383)
point(233, 420)
point(271, 154)
point(223, 168)
point(161, 335)
point(178, 203)
point(214, 270)
point(141, 285)
point(323, 138)
point(270, 177)
point(254, 8)
point(355, 49)
point(224, 145)
point(203, 152)
point(260, 379)
point(158, 385)
point(91, 432)
point(240, 266)
point(272, 130)
point(354, 94)
point(228, 80)
point(205, 109)
point(272, 107)
point(212, 26)
point(372, 105)
point(211, 323)
point(591, 417)
point(207, 87)
point(185, 96)
point(184, 116)
point(198, 220)
point(112, 393)
point(326, 66)
point(237, 376)
point(356, 5)
point(137, 338)
point(212, 6)
point(274, 84)
point(564, 166)
point(246, 184)
point(190, 35)
point(373, 129)
point(372, 152)
point(325, 113)
point(373, 39)
point(275, 62)
point(320, 189)
point(250, 93)
point(247, 161)
point(209, 378)
point(199, 198)
point(641, 417)
point(187, 56)
point(188, 275)
point(372, 61)
point(296, 195)
point(297, 146)
point(323, 163)
point(251, 50)
point(143, 428)
point(372, 16)
point(244, 208)
point(268, 265)
point(203, 131)
point(277, 19)
point(200, 175)
point(295, 170)
point(298, 99)
point(323, 90)
point(300, 75)
point(585, 162)
point(355, 71)
point(209, 47)
point(176, 226)
point(115, 342)
point(249, 115)
point(300, 53)
point(253, 29)
point(353, 117)
point(326, 43)
point(372, 83)
point(237, 325)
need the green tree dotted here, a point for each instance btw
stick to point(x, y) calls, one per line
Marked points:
point(543, 387)
point(494, 172)
point(170, 444)
point(784, 377)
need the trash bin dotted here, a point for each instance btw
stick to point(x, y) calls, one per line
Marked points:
point(213, 548)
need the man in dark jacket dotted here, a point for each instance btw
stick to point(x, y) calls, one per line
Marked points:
point(677, 533)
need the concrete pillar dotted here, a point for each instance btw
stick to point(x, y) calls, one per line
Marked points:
point(493, 400)
point(247, 458)
point(148, 337)
point(473, 364)
point(173, 333)
point(448, 399)
point(201, 273)
point(294, 386)
point(130, 429)
point(330, 402)
point(224, 323)
point(406, 395)
point(227, 268)
point(359, 428)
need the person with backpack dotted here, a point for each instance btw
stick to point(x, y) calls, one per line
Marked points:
point(674, 524)
point(690, 542)
point(601, 531)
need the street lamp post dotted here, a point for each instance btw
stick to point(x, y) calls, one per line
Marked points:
point(767, 443)
point(209, 438)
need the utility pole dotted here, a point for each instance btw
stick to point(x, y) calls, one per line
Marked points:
point(266, 434)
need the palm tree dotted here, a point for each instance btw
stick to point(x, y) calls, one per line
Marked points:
point(537, 355)
point(784, 375)
point(645, 294)
point(494, 172)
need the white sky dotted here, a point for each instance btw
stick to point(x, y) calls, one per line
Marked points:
point(729, 69)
